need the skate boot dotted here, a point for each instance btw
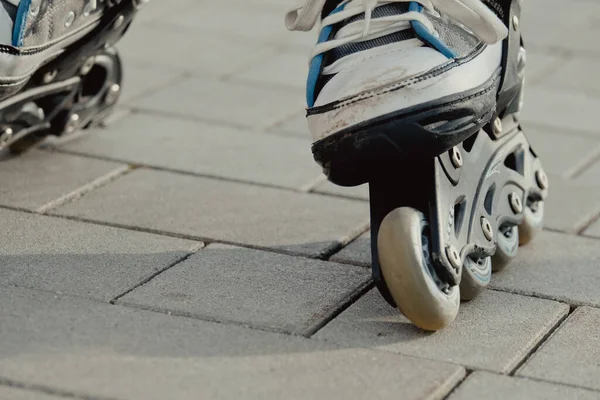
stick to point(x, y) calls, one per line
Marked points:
point(421, 99)
point(58, 69)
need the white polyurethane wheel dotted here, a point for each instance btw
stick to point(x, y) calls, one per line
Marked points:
point(408, 271)
point(506, 251)
point(532, 224)
point(476, 277)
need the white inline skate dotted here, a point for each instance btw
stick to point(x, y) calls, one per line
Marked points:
point(421, 100)
point(58, 69)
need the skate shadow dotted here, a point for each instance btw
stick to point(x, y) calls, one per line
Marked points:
point(57, 306)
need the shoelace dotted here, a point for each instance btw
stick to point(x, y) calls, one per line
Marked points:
point(473, 14)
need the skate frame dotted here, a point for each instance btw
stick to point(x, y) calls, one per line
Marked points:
point(493, 172)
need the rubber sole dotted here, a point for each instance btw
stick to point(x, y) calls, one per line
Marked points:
point(351, 156)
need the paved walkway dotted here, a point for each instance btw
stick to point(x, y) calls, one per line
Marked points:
point(192, 250)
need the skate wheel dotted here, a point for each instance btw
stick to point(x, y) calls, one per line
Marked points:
point(508, 246)
point(476, 275)
point(533, 222)
point(407, 267)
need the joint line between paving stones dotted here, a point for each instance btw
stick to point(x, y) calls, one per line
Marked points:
point(339, 196)
point(196, 248)
point(178, 78)
point(48, 390)
point(468, 373)
point(345, 241)
point(157, 310)
point(205, 240)
point(584, 133)
point(582, 166)
point(567, 52)
point(557, 383)
point(348, 240)
point(301, 189)
point(340, 307)
point(542, 341)
point(308, 188)
point(187, 117)
point(85, 189)
point(204, 318)
point(595, 216)
point(544, 297)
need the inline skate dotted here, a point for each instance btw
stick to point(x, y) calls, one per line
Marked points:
point(59, 71)
point(421, 100)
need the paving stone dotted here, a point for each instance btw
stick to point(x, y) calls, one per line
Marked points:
point(555, 265)
point(253, 287)
point(80, 259)
point(561, 151)
point(114, 352)
point(293, 126)
point(248, 24)
point(283, 69)
point(231, 212)
point(547, 29)
point(571, 354)
point(142, 80)
point(357, 252)
point(577, 74)
point(563, 110)
point(204, 149)
point(10, 393)
point(156, 10)
point(540, 64)
point(593, 230)
point(255, 107)
point(494, 332)
point(213, 55)
point(591, 176)
point(357, 192)
point(570, 205)
point(38, 177)
point(486, 386)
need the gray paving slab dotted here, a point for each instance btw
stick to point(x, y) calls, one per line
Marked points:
point(577, 74)
point(231, 212)
point(547, 29)
point(357, 192)
point(571, 354)
point(208, 55)
point(255, 107)
point(110, 351)
point(213, 150)
point(142, 79)
point(153, 11)
point(560, 151)
point(487, 386)
point(570, 205)
point(561, 110)
point(293, 126)
point(357, 252)
point(540, 64)
point(594, 230)
point(252, 287)
point(286, 69)
point(36, 178)
point(494, 332)
point(11, 393)
point(249, 24)
point(556, 266)
point(591, 176)
point(86, 260)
